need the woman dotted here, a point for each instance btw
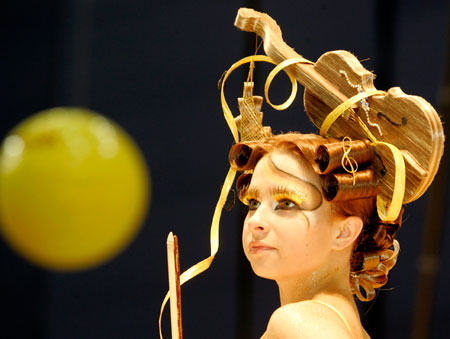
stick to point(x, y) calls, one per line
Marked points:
point(323, 211)
point(316, 250)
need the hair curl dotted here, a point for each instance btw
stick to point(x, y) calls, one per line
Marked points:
point(352, 194)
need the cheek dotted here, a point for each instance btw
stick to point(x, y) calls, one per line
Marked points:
point(294, 236)
point(322, 217)
point(245, 236)
point(304, 238)
point(292, 233)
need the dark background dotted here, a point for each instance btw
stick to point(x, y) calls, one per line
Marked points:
point(153, 67)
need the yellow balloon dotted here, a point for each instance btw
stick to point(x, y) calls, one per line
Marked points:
point(74, 189)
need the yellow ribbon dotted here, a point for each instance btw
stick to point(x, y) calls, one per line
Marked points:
point(338, 111)
point(390, 211)
point(214, 232)
point(387, 211)
point(214, 241)
point(281, 66)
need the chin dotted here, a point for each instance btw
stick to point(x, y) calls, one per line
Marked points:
point(263, 272)
point(264, 276)
point(278, 273)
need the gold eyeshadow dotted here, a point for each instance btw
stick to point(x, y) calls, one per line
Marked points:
point(278, 193)
point(252, 193)
point(281, 193)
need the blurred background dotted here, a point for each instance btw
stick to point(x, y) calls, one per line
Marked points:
point(153, 67)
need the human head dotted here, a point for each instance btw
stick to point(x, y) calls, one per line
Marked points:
point(290, 231)
point(349, 194)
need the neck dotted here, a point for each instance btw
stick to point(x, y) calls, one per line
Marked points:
point(330, 283)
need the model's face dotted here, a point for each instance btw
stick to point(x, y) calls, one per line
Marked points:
point(287, 232)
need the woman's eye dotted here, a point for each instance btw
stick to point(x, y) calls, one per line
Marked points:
point(253, 204)
point(286, 205)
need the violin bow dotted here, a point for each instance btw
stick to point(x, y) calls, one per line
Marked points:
point(173, 265)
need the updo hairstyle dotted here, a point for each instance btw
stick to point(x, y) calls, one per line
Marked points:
point(349, 180)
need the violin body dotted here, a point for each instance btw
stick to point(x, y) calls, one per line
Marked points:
point(406, 121)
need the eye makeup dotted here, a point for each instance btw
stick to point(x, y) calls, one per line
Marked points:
point(246, 195)
point(281, 193)
point(313, 196)
point(306, 197)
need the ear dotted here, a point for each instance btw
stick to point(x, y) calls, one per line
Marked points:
point(347, 231)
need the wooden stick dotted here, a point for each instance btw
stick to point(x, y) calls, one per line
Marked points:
point(173, 266)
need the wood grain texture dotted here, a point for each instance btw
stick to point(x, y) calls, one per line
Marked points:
point(173, 265)
point(408, 122)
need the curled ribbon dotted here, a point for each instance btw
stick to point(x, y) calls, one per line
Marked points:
point(226, 109)
point(375, 273)
point(281, 66)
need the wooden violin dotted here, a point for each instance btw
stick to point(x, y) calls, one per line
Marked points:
point(406, 121)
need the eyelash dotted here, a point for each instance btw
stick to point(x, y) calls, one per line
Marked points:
point(280, 198)
point(247, 199)
point(287, 196)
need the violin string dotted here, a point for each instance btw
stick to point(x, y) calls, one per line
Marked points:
point(364, 103)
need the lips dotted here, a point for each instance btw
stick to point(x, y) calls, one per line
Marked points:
point(259, 247)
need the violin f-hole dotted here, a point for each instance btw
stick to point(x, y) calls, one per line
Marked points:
point(386, 117)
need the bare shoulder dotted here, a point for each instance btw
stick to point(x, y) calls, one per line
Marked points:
point(305, 319)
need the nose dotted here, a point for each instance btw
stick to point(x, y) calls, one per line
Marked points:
point(258, 221)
